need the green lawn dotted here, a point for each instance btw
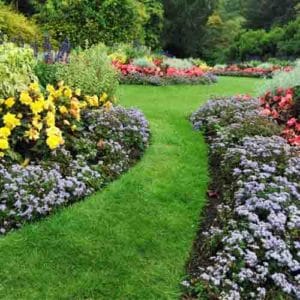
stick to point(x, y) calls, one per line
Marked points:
point(132, 240)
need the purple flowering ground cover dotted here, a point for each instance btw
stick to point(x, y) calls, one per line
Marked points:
point(141, 79)
point(251, 248)
point(112, 142)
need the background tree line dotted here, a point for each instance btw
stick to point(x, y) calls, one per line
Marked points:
point(216, 30)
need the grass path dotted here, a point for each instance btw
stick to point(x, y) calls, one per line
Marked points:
point(130, 241)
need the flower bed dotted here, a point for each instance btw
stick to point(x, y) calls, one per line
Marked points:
point(58, 146)
point(160, 74)
point(251, 249)
point(255, 72)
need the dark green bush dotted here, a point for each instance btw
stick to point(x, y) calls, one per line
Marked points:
point(279, 42)
point(108, 21)
point(46, 73)
point(154, 24)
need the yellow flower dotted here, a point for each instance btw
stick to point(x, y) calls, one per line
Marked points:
point(83, 104)
point(36, 123)
point(57, 93)
point(55, 138)
point(19, 115)
point(50, 88)
point(32, 134)
point(25, 98)
point(4, 145)
point(74, 127)
point(63, 109)
point(68, 92)
point(50, 119)
point(108, 105)
point(49, 105)
point(1, 101)
point(34, 87)
point(53, 141)
point(103, 97)
point(93, 101)
point(2, 154)
point(78, 92)
point(37, 106)
point(53, 131)
point(9, 102)
point(11, 121)
point(4, 132)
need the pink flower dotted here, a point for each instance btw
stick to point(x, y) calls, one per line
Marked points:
point(291, 122)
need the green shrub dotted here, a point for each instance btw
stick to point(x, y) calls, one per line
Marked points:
point(15, 25)
point(91, 71)
point(46, 73)
point(16, 68)
point(283, 80)
point(129, 50)
point(278, 42)
point(180, 64)
point(143, 62)
point(108, 21)
point(154, 25)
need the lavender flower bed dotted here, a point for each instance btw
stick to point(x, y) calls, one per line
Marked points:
point(252, 249)
point(141, 79)
point(112, 141)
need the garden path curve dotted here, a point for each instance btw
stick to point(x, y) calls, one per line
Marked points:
point(130, 241)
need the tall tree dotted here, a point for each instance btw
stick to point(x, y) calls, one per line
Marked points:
point(266, 13)
point(184, 25)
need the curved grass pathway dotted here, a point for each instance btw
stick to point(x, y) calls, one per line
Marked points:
point(132, 240)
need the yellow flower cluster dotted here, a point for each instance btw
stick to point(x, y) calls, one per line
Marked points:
point(46, 116)
point(119, 57)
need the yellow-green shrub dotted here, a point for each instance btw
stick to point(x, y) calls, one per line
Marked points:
point(16, 68)
point(15, 25)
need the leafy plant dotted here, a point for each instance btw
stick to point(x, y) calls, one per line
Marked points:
point(15, 25)
point(16, 68)
point(91, 71)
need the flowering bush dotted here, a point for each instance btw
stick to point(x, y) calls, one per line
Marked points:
point(283, 106)
point(59, 146)
point(251, 250)
point(33, 119)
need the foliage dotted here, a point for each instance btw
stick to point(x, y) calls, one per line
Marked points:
point(106, 21)
point(184, 25)
point(278, 42)
point(91, 71)
point(266, 13)
point(15, 25)
point(180, 64)
point(220, 32)
point(46, 73)
point(16, 68)
point(282, 79)
point(154, 24)
point(143, 62)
